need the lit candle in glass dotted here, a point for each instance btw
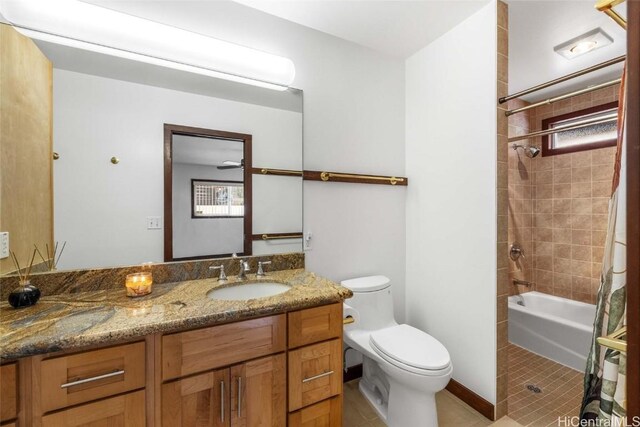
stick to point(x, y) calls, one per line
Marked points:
point(139, 284)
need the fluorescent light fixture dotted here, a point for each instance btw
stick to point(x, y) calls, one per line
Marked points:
point(587, 42)
point(86, 26)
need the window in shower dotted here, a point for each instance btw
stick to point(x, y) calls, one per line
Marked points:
point(597, 135)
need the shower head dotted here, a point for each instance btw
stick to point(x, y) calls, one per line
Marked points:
point(530, 151)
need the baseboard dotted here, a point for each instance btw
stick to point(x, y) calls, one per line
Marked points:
point(477, 402)
point(352, 373)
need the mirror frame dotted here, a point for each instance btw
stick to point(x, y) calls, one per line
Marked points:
point(171, 130)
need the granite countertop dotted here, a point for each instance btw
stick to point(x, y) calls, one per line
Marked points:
point(76, 320)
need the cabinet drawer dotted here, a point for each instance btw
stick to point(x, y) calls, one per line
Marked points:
point(82, 377)
point(190, 352)
point(315, 324)
point(327, 413)
point(315, 373)
point(127, 410)
point(8, 392)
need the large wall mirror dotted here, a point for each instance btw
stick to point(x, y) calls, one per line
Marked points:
point(233, 153)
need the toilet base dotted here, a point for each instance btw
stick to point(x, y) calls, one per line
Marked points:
point(409, 408)
point(375, 400)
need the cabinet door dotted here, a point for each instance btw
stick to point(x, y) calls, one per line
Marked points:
point(258, 393)
point(127, 410)
point(198, 401)
point(8, 392)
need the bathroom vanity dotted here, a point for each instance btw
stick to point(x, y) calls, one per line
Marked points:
point(176, 358)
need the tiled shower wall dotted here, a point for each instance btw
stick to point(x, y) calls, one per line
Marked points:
point(520, 199)
point(502, 211)
point(558, 206)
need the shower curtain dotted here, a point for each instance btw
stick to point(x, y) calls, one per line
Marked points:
point(604, 382)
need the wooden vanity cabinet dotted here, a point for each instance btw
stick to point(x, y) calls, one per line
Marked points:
point(8, 394)
point(273, 371)
point(315, 366)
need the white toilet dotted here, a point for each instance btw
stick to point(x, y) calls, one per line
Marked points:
point(403, 367)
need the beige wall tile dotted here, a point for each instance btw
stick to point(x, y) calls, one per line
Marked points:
point(581, 237)
point(581, 268)
point(543, 206)
point(601, 189)
point(581, 159)
point(600, 205)
point(581, 253)
point(582, 174)
point(598, 237)
point(561, 250)
point(599, 222)
point(580, 221)
point(563, 191)
point(561, 176)
point(562, 161)
point(581, 206)
point(562, 235)
point(561, 206)
point(580, 190)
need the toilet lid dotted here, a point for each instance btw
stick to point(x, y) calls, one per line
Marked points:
point(366, 284)
point(411, 346)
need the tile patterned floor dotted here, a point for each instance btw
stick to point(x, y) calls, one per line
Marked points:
point(452, 412)
point(560, 389)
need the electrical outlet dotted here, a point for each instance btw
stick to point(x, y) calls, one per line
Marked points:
point(4, 245)
point(307, 241)
point(154, 223)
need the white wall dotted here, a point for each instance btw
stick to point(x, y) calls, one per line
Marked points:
point(101, 208)
point(202, 236)
point(353, 121)
point(451, 199)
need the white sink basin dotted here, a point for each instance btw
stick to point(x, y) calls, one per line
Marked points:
point(248, 291)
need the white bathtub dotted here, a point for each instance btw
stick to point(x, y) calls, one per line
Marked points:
point(556, 328)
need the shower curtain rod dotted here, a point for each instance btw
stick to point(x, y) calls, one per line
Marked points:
point(561, 97)
point(562, 79)
point(613, 117)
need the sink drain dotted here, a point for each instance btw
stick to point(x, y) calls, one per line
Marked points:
point(534, 388)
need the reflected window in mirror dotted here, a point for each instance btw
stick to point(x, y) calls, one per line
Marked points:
point(217, 199)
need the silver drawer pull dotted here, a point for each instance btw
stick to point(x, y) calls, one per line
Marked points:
point(96, 378)
point(222, 401)
point(306, 380)
point(239, 397)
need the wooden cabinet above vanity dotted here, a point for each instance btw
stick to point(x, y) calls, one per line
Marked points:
point(273, 371)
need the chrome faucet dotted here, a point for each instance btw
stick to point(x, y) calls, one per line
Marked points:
point(244, 269)
point(261, 272)
point(220, 267)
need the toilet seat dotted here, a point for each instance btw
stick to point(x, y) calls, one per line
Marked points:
point(411, 349)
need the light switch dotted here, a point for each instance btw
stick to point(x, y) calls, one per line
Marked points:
point(154, 223)
point(4, 245)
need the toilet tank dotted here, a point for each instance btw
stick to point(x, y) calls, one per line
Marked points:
point(373, 301)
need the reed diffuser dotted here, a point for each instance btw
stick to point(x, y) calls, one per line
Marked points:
point(26, 294)
point(51, 261)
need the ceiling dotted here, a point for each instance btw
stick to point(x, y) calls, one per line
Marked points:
point(196, 150)
point(535, 27)
point(397, 28)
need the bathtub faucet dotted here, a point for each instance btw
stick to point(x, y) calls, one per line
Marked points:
point(517, 282)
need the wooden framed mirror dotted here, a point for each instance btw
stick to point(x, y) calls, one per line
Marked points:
point(207, 193)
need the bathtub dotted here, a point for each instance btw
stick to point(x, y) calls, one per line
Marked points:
point(556, 328)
